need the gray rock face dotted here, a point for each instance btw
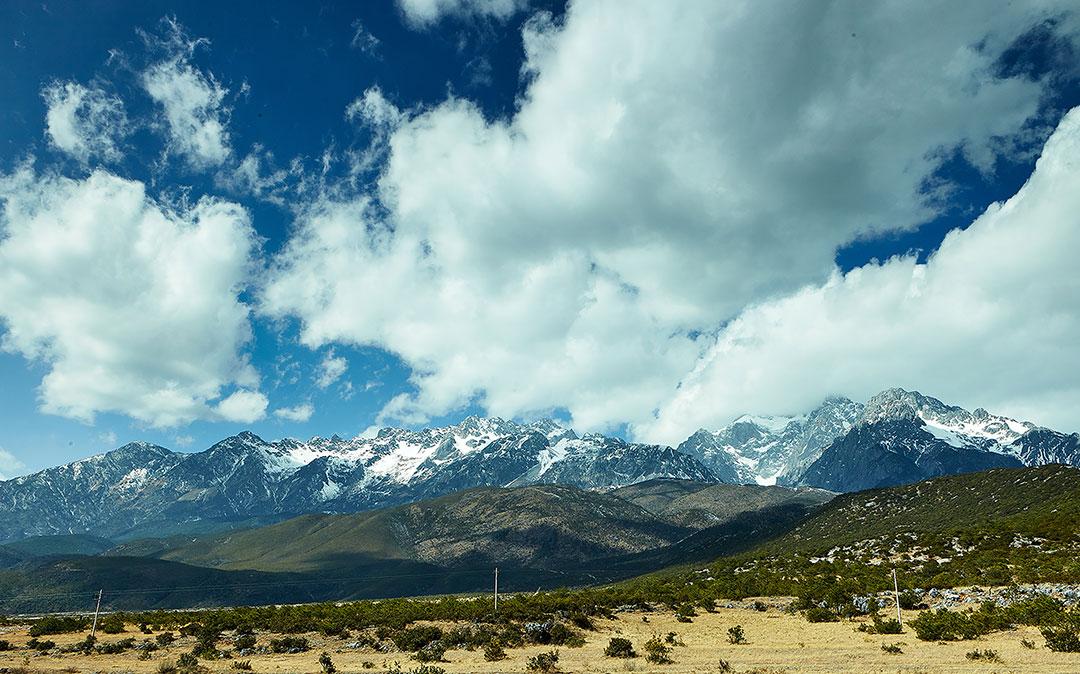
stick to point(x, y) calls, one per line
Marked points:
point(903, 436)
point(771, 450)
point(142, 489)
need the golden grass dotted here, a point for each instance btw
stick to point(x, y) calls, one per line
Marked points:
point(777, 643)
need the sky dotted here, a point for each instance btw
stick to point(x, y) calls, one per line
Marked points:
point(637, 217)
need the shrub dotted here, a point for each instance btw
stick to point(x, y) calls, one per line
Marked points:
point(818, 614)
point(889, 626)
point(493, 651)
point(582, 621)
point(59, 625)
point(415, 638)
point(36, 645)
point(145, 629)
point(433, 652)
point(5, 645)
point(1027, 643)
point(242, 665)
point(164, 639)
point(1062, 639)
point(761, 606)
point(657, 652)
point(892, 649)
point(909, 601)
point(327, 663)
point(988, 655)
point(620, 648)
point(244, 642)
point(166, 667)
point(736, 635)
point(289, 645)
point(112, 624)
point(86, 646)
point(116, 646)
point(543, 662)
point(723, 666)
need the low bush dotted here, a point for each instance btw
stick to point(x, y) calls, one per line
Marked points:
point(241, 665)
point(892, 649)
point(112, 624)
point(59, 625)
point(988, 655)
point(736, 635)
point(289, 645)
point(543, 662)
point(327, 663)
point(493, 651)
point(5, 645)
point(1062, 639)
point(433, 652)
point(887, 626)
point(415, 638)
point(819, 614)
point(620, 648)
point(38, 645)
point(657, 651)
point(164, 639)
point(244, 642)
point(116, 646)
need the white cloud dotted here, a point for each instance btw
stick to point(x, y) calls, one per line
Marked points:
point(9, 465)
point(300, 413)
point(331, 369)
point(654, 181)
point(193, 102)
point(184, 441)
point(84, 122)
point(425, 13)
point(243, 407)
point(131, 304)
point(362, 39)
point(991, 319)
point(108, 438)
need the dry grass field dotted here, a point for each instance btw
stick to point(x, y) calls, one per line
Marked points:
point(777, 643)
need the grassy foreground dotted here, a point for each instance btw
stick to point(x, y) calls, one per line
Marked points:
point(776, 641)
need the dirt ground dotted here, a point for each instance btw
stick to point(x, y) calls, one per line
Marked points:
point(777, 643)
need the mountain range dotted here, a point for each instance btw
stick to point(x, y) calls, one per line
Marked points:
point(541, 535)
point(141, 489)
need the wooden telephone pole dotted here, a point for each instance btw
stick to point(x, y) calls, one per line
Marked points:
point(97, 611)
point(896, 593)
point(496, 589)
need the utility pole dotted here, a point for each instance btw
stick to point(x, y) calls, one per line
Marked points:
point(896, 593)
point(97, 611)
point(496, 589)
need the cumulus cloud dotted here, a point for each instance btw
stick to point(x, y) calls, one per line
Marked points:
point(242, 407)
point(196, 117)
point(991, 319)
point(299, 413)
point(426, 13)
point(84, 122)
point(331, 369)
point(132, 304)
point(654, 181)
point(9, 465)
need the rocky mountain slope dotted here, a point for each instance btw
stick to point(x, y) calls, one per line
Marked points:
point(538, 535)
point(897, 437)
point(245, 480)
point(903, 436)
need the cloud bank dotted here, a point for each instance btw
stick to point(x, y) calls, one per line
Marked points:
point(655, 180)
point(132, 304)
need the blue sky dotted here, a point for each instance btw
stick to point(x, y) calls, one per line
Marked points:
point(303, 218)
